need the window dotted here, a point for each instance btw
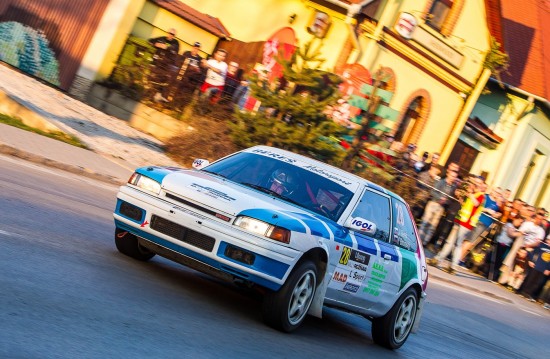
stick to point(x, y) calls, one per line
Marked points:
point(439, 11)
point(374, 209)
point(404, 235)
point(320, 24)
point(408, 121)
point(280, 177)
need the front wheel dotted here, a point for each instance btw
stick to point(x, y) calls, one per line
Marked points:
point(287, 308)
point(128, 244)
point(393, 329)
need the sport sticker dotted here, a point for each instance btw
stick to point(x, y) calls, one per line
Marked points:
point(351, 270)
point(378, 276)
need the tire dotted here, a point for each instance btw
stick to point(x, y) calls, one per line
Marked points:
point(287, 308)
point(393, 329)
point(128, 244)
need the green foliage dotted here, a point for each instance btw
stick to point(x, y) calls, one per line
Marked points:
point(56, 135)
point(292, 110)
point(496, 60)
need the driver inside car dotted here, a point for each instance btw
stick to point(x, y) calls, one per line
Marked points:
point(282, 182)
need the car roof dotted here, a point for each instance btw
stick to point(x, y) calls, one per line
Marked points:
point(291, 155)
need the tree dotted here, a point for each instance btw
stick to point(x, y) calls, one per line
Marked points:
point(369, 117)
point(293, 109)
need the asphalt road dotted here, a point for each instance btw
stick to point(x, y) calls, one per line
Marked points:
point(65, 292)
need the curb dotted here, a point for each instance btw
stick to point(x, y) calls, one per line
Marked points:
point(14, 152)
point(470, 288)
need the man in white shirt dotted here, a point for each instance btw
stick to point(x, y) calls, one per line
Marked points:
point(216, 69)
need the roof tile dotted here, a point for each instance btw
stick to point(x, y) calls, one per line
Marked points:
point(526, 33)
point(204, 21)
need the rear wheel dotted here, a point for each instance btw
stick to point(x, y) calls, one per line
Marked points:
point(128, 244)
point(287, 308)
point(393, 329)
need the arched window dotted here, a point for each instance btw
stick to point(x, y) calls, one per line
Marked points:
point(409, 119)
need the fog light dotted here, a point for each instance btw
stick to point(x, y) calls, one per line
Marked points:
point(240, 255)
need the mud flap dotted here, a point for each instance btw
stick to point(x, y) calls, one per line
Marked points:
point(420, 310)
point(316, 308)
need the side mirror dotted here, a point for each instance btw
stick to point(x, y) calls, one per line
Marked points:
point(361, 225)
point(200, 163)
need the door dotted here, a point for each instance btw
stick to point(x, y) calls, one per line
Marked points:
point(362, 272)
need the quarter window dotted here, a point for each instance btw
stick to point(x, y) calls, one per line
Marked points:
point(404, 235)
point(374, 208)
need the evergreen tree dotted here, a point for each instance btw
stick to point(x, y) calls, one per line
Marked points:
point(292, 113)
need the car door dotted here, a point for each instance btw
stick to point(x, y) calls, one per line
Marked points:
point(364, 269)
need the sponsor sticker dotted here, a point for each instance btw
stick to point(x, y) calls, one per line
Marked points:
point(351, 270)
point(363, 225)
point(211, 192)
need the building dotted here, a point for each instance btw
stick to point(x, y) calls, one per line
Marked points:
point(518, 107)
point(432, 54)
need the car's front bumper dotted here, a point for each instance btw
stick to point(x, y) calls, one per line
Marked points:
point(272, 261)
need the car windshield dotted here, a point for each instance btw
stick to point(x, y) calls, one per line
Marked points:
point(283, 180)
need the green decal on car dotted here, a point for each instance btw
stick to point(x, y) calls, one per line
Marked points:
point(408, 267)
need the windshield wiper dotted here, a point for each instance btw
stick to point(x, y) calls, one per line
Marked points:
point(214, 173)
point(259, 188)
point(273, 193)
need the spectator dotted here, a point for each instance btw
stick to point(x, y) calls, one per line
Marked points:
point(489, 214)
point(216, 69)
point(435, 208)
point(539, 269)
point(465, 221)
point(504, 241)
point(425, 183)
point(422, 164)
point(516, 276)
point(164, 62)
point(191, 68)
point(531, 234)
point(435, 162)
point(232, 79)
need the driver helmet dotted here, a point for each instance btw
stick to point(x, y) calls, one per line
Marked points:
point(282, 182)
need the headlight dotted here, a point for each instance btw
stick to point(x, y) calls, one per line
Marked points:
point(263, 229)
point(145, 183)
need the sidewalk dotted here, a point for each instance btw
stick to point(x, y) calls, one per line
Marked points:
point(117, 148)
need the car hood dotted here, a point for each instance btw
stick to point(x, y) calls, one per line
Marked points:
point(221, 194)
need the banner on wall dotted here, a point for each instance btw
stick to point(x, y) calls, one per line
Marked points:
point(282, 42)
point(29, 50)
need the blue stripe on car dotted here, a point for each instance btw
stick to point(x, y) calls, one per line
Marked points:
point(315, 224)
point(291, 222)
point(365, 243)
point(386, 248)
point(154, 172)
point(204, 259)
point(117, 211)
point(261, 264)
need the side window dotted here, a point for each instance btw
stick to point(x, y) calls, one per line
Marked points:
point(403, 227)
point(372, 216)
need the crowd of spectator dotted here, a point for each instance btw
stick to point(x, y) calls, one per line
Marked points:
point(480, 227)
point(172, 74)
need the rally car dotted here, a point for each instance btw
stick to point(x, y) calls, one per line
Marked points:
point(307, 234)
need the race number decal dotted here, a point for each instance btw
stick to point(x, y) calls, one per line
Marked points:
point(400, 209)
point(363, 225)
point(351, 270)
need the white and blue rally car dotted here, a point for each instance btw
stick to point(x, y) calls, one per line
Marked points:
point(309, 234)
